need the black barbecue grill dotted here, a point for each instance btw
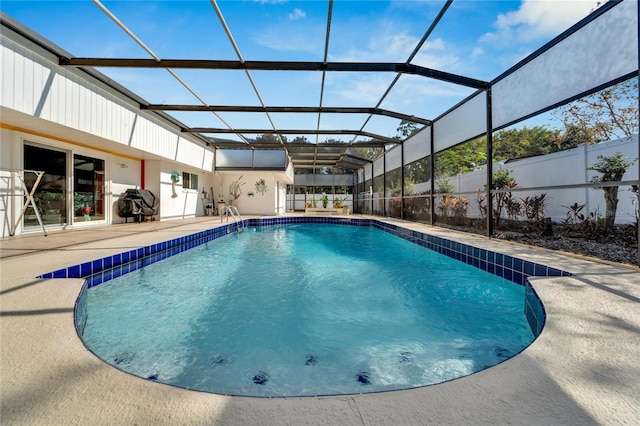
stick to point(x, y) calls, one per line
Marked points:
point(137, 203)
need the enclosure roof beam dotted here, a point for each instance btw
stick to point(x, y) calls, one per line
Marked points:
point(293, 132)
point(401, 67)
point(288, 109)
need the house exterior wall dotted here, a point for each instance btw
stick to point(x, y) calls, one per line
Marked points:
point(67, 109)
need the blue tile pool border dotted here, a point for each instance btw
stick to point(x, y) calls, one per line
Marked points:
point(508, 267)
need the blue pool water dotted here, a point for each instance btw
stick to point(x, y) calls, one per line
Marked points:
point(303, 310)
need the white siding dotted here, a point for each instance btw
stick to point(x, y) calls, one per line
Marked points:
point(34, 84)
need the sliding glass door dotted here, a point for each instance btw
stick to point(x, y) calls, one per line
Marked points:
point(50, 196)
point(58, 202)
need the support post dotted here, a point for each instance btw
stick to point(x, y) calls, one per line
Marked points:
point(489, 166)
point(432, 189)
point(402, 181)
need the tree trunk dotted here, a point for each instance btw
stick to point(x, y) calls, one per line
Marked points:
point(611, 200)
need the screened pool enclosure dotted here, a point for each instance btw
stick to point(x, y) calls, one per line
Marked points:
point(553, 139)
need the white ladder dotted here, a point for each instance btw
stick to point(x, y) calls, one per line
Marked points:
point(235, 214)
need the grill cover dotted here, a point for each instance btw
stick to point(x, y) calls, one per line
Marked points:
point(137, 203)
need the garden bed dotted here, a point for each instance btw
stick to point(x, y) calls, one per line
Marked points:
point(620, 246)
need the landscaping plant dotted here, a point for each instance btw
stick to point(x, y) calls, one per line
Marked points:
point(612, 169)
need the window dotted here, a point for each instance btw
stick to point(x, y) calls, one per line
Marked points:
point(189, 180)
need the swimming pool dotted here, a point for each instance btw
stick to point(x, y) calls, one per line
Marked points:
point(381, 366)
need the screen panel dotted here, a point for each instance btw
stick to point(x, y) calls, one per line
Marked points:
point(342, 180)
point(417, 146)
point(394, 157)
point(378, 167)
point(465, 122)
point(368, 171)
point(269, 158)
point(600, 52)
point(234, 158)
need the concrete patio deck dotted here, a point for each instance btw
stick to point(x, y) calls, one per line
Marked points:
point(584, 369)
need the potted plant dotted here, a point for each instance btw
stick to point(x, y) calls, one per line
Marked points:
point(339, 203)
point(78, 202)
point(325, 201)
point(81, 204)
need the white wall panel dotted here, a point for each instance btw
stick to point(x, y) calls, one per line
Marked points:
point(465, 122)
point(604, 50)
point(417, 146)
point(18, 100)
point(189, 153)
point(7, 75)
point(208, 160)
point(27, 89)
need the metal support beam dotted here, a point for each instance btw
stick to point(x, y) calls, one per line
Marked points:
point(402, 68)
point(291, 132)
point(289, 109)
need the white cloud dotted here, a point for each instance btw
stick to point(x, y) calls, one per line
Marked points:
point(385, 48)
point(356, 89)
point(279, 39)
point(538, 19)
point(477, 52)
point(296, 14)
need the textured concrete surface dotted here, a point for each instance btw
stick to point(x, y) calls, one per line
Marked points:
point(584, 368)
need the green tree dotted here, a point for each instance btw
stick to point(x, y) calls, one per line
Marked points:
point(611, 113)
point(612, 169)
point(367, 153)
point(269, 138)
point(524, 142)
point(502, 180)
point(463, 158)
point(572, 137)
point(418, 171)
point(299, 139)
point(406, 128)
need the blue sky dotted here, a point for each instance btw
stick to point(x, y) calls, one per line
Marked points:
point(478, 39)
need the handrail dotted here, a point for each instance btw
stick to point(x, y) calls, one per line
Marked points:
point(235, 214)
